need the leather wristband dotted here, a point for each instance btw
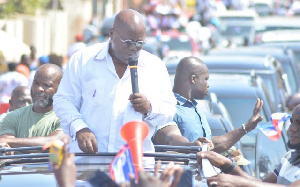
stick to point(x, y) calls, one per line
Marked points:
point(230, 168)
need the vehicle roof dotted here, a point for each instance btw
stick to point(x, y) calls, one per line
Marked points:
point(241, 63)
point(279, 21)
point(252, 51)
point(294, 45)
point(246, 63)
point(281, 36)
point(236, 13)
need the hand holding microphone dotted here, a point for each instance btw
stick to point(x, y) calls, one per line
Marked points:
point(138, 100)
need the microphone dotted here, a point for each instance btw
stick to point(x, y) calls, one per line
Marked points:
point(134, 74)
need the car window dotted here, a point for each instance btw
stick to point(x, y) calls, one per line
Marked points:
point(291, 76)
point(181, 43)
point(269, 84)
point(235, 30)
point(268, 159)
point(273, 108)
point(297, 54)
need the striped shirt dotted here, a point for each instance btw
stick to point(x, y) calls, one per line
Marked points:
point(289, 169)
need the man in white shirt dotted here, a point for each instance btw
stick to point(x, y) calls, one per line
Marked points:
point(94, 98)
point(9, 81)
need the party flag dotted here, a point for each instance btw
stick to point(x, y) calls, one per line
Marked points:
point(122, 165)
point(273, 128)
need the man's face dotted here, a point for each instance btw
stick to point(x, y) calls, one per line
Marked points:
point(42, 90)
point(20, 101)
point(294, 130)
point(125, 43)
point(200, 88)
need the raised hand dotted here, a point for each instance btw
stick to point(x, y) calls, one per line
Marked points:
point(255, 118)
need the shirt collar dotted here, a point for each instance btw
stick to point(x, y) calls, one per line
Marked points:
point(103, 52)
point(182, 100)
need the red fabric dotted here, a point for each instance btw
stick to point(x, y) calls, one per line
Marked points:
point(4, 107)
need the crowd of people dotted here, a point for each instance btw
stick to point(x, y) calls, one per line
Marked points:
point(87, 104)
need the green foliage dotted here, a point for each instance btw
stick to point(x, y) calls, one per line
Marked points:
point(11, 7)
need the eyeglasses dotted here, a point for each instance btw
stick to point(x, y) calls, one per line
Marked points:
point(128, 43)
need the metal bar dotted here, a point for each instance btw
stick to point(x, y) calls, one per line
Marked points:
point(157, 147)
point(178, 148)
point(25, 156)
point(156, 155)
point(34, 148)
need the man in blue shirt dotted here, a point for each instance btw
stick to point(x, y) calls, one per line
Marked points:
point(190, 126)
point(188, 117)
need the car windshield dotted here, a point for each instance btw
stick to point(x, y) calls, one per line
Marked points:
point(178, 44)
point(229, 30)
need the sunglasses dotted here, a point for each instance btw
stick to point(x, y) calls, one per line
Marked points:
point(128, 43)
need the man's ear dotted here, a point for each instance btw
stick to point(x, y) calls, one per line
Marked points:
point(111, 31)
point(193, 79)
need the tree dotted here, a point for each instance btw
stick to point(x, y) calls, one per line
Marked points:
point(11, 7)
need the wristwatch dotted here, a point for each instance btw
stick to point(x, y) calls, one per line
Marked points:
point(229, 168)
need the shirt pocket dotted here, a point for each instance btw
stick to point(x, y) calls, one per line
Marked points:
point(95, 92)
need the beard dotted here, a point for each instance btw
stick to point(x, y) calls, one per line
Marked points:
point(293, 146)
point(44, 100)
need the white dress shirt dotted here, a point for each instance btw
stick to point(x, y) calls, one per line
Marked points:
point(92, 95)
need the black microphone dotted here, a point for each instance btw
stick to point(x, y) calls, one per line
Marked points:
point(134, 74)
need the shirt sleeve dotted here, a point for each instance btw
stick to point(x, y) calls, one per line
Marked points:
point(57, 125)
point(8, 124)
point(67, 100)
point(163, 106)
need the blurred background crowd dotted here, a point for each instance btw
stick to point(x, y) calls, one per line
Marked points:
point(34, 32)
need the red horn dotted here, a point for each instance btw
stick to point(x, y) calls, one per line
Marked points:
point(135, 132)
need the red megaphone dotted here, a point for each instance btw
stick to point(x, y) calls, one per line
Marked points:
point(135, 132)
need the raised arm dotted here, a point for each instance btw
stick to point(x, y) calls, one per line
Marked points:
point(224, 142)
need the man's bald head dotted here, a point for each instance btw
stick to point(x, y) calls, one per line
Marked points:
point(131, 20)
point(128, 30)
point(186, 67)
point(20, 97)
point(50, 71)
point(191, 78)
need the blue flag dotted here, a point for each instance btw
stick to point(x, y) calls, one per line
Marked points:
point(122, 165)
